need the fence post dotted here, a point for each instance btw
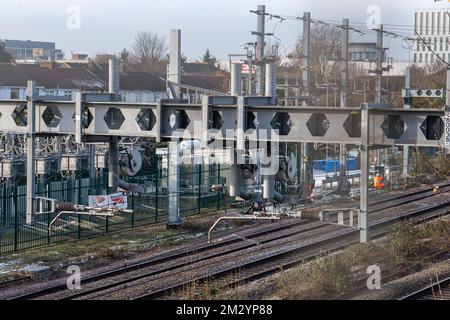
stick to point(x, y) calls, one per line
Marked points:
point(48, 212)
point(4, 211)
point(79, 202)
point(199, 204)
point(219, 192)
point(16, 218)
point(156, 195)
point(132, 210)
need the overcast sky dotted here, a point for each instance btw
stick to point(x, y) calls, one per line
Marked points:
point(221, 26)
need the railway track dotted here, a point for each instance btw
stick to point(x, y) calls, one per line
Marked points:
point(290, 242)
point(285, 259)
point(439, 290)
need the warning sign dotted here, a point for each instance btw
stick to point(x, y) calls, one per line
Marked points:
point(117, 200)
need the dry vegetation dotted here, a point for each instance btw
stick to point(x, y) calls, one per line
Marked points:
point(406, 250)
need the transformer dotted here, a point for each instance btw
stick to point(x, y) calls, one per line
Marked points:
point(73, 162)
point(10, 168)
point(101, 160)
point(46, 165)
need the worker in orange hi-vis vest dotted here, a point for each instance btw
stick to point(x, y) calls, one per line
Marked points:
point(378, 182)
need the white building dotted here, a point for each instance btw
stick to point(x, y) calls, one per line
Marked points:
point(433, 25)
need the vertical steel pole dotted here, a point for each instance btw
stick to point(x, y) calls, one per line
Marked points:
point(260, 38)
point(31, 112)
point(114, 77)
point(307, 147)
point(113, 165)
point(236, 80)
point(271, 82)
point(407, 105)
point(364, 178)
point(344, 92)
point(379, 68)
point(250, 73)
point(379, 74)
point(344, 62)
point(174, 218)
point(305, 53)
point(173, 69)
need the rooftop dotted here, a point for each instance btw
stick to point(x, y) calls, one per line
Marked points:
point(28, 44)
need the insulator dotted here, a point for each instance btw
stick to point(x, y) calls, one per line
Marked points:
point(66, 206)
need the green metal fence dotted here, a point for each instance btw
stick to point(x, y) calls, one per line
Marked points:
point(148, 208)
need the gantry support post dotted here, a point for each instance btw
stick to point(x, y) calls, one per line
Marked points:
point(31, 150)
point(364, 178)
point(113, 165)
point(173, 162)
point(235, 183)
point(406, 105)
point(113, 160)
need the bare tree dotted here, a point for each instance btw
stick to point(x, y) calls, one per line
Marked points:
point(149, 52)
point(324, 53)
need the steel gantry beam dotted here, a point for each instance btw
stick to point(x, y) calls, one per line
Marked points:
point(236, 120)
point(217, 119)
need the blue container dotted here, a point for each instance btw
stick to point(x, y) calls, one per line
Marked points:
point(332, 166)
point(319, 165)
point(352, 164)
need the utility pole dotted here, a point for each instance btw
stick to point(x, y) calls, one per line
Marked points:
point(259, 54)
point(379, 74)
point(379, 68)
point(307, 153)
point(344, 91)
point(344, 62)
point(305, 54)
point(250, 72)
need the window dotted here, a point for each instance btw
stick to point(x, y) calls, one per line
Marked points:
point(420, 58)
point(15, 93)
point(415, 57)
point(433, 22)
point(426, 57)
point(438, 23)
